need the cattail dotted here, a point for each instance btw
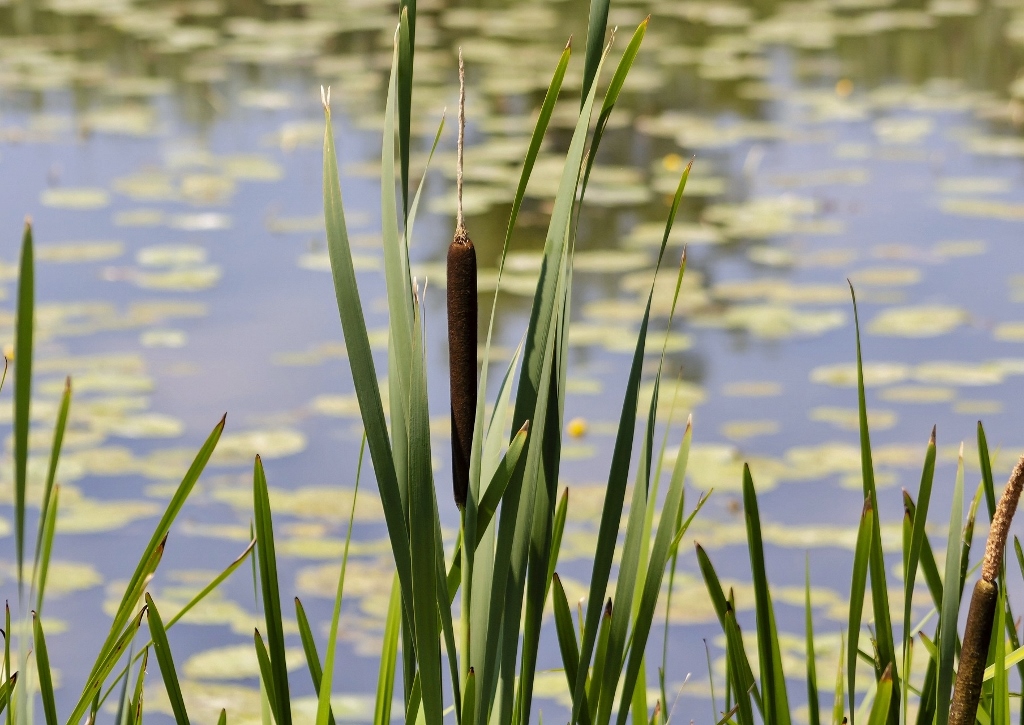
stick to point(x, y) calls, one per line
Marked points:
point(462, 326)
point(974, 653)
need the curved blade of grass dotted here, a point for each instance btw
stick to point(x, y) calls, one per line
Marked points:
point(23, 389)
point(163, 655)
point(567, 644)
point(103, 667)
point(860, 574)
point(668, 535)
point(499, 481)
point(879, 587)
point(309, 649)
point(773, 683)
point(324, 715)
point(47, 520)
point(43, 668)
point(135, 710)
point(361, 364)
point(879, 714)
point(734, 655)
point(389, 658)
point(267, 559)
point(47, 530)
point(813, 716)
point(200, 596)
point(5, 691)
point(837, 703)
point(950, 601)
point(919, 516)
point(267, 677)
point(596, 30)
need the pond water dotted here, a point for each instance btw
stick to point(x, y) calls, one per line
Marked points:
point(169, 153)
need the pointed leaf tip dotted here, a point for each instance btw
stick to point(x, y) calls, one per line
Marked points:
point(931, 441)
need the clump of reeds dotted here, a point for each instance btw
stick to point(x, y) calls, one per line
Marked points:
point(462, 324)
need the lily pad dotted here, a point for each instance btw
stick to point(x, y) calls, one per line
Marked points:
point(84, 198)
point(242, 447)
point(72, 252)
point(233, 662)
point(918, 321)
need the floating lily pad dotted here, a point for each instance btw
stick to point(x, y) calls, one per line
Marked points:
point(918, 321)
point(163, 338)
point(875, 374)
point(184, 279)
point(849, 418)
point(752, 389)
point(84, 198)
point(917, 394)
point(72, 252)
point(171, 255)
point(743, 429)
point(242, 447)
point(233, 662)
point(886, 276)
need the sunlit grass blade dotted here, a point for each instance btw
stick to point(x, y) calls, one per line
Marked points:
point(838, 702)
point(123, 701)
point(862, 554)
point(600, 661)
point(926, 705)
point(271, 596)
point(223, 719)
point(406, 49)
point(309, 649)
point(499, 481)
point(324, 715)
point(557, 530)
point(48, 518)
point(389, 658)
point(812, 677)
point(469, 698)
point(926, 560)
point(362, 366)
point(43, 669)
point(23, 389)
point(6, 689)
point(950, 609)
point(163, 655)
point(883, 698)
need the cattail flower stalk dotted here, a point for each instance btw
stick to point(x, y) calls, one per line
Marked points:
point(974, 653)
point(462, 325)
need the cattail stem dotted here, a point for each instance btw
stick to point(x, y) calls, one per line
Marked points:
point(974, 653)
point(462, 327)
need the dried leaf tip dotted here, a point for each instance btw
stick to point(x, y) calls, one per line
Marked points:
point(931, 440)
point(325, 97)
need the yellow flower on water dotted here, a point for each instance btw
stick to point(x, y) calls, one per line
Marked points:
point(577, 428)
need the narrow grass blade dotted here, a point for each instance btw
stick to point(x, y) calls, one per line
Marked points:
point(267, 676)
point(135, 711)
point(164, 657)
point(926, 561)
point(324, 715)
point(43, 668)
point(950, 601)
point(499, 481)
point(309, 648)
point(734, 655)
point(556, 533)
point(223, 719)
point(879, 714)
point(600, 661)
point(6, 689)
point(23, 389)
point(567, 644)
point(1000, 676)
point(48, 519)
point(879, 587)
point(596, 29)
point(773, 684)
point(838, 702)
point(857, 590)
point(926, 706)
point(270, 590)
point(919, 520)
point(362, 366)
point(812, 676)
point(469, 698)
point(389, 658)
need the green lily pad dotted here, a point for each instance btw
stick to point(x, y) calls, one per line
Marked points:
point(171, 255)
point(918, 321)
point(849, 418)
point(233, 662)
point(84, 198)
point(73, 252)
point(242, 447)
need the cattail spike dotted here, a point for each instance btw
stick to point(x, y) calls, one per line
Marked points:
point(462, 326)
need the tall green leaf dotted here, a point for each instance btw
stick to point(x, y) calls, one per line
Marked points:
point(43, 668)
point(163, 655)
point(271, 596)
point(862, 555)
point(23, 389)
point(950, 601)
